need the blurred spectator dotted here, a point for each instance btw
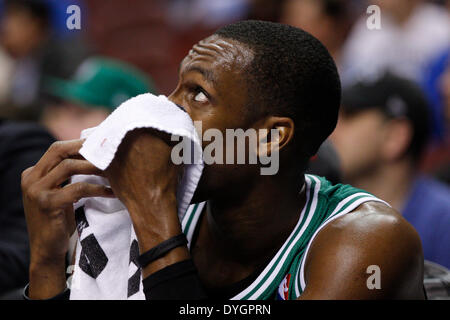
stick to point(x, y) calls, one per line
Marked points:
point(99, 86)
point(435, 92)
point(267, 10)
point(437, 84)
point(443, 170)
point(27, 36)
point(327, 20)
point(380, 138)
point(445, 85)
point(210, 14)
point(21, 146)
point(412, 33)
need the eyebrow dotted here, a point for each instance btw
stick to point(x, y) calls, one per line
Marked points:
point(207, 74)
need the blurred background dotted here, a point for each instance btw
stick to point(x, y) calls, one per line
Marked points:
point(393, 136)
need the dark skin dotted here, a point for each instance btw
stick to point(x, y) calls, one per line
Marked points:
point(249, 216)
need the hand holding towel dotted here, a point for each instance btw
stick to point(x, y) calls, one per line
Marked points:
point(106, 265)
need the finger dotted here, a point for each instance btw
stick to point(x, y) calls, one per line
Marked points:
point(24, 178)
point(74, 192)
point(57, 152)
point(66, 169)
point(26, 172)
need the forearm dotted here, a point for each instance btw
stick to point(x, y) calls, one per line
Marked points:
point(154, 224)
point(149, 193)
point(47, 279)
point(173, 276)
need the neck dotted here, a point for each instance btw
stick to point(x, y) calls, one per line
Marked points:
point(252, 226)
point(391, 182)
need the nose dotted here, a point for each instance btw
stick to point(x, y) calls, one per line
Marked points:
point(176, 98)
point(173, 98)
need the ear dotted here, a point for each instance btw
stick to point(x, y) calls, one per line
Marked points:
point(398, 138)
point(275, 133)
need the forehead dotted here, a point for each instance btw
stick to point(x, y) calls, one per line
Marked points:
point(216, 54)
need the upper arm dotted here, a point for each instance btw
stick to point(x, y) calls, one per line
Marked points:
point(372, 235)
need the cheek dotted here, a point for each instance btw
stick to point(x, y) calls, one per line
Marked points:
point(356, 144)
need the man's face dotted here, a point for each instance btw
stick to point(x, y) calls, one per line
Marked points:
point(21, 33)
point(212, 89)
point(211, 86)
point(358, 139)
point(67, 119)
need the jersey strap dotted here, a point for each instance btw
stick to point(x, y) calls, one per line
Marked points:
point(189, 222)
point(345, 200)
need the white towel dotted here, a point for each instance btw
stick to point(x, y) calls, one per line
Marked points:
point(107, 249)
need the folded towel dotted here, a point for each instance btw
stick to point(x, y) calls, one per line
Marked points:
point(107, 248)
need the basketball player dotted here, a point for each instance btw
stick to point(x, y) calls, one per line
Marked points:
point(285, 236)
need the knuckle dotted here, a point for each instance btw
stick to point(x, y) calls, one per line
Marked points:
point(24, 181)
point(81, 188)
point(57, 145)
point(32, 193)
point(43, 200)
point(39, 197)
point(68, 165)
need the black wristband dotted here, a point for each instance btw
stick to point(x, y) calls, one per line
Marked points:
point(178, 281)
point(161, 249)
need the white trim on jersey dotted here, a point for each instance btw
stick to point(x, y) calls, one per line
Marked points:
point(193, 223)
point(280, 263)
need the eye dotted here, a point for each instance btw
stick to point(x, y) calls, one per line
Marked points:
point(200, 97)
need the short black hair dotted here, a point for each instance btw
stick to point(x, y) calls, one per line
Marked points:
point(292, 74)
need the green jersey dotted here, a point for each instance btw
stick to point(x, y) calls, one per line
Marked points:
point(283, 277)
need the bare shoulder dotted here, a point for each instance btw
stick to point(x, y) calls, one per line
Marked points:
point(372, 237)
point(375, 222)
